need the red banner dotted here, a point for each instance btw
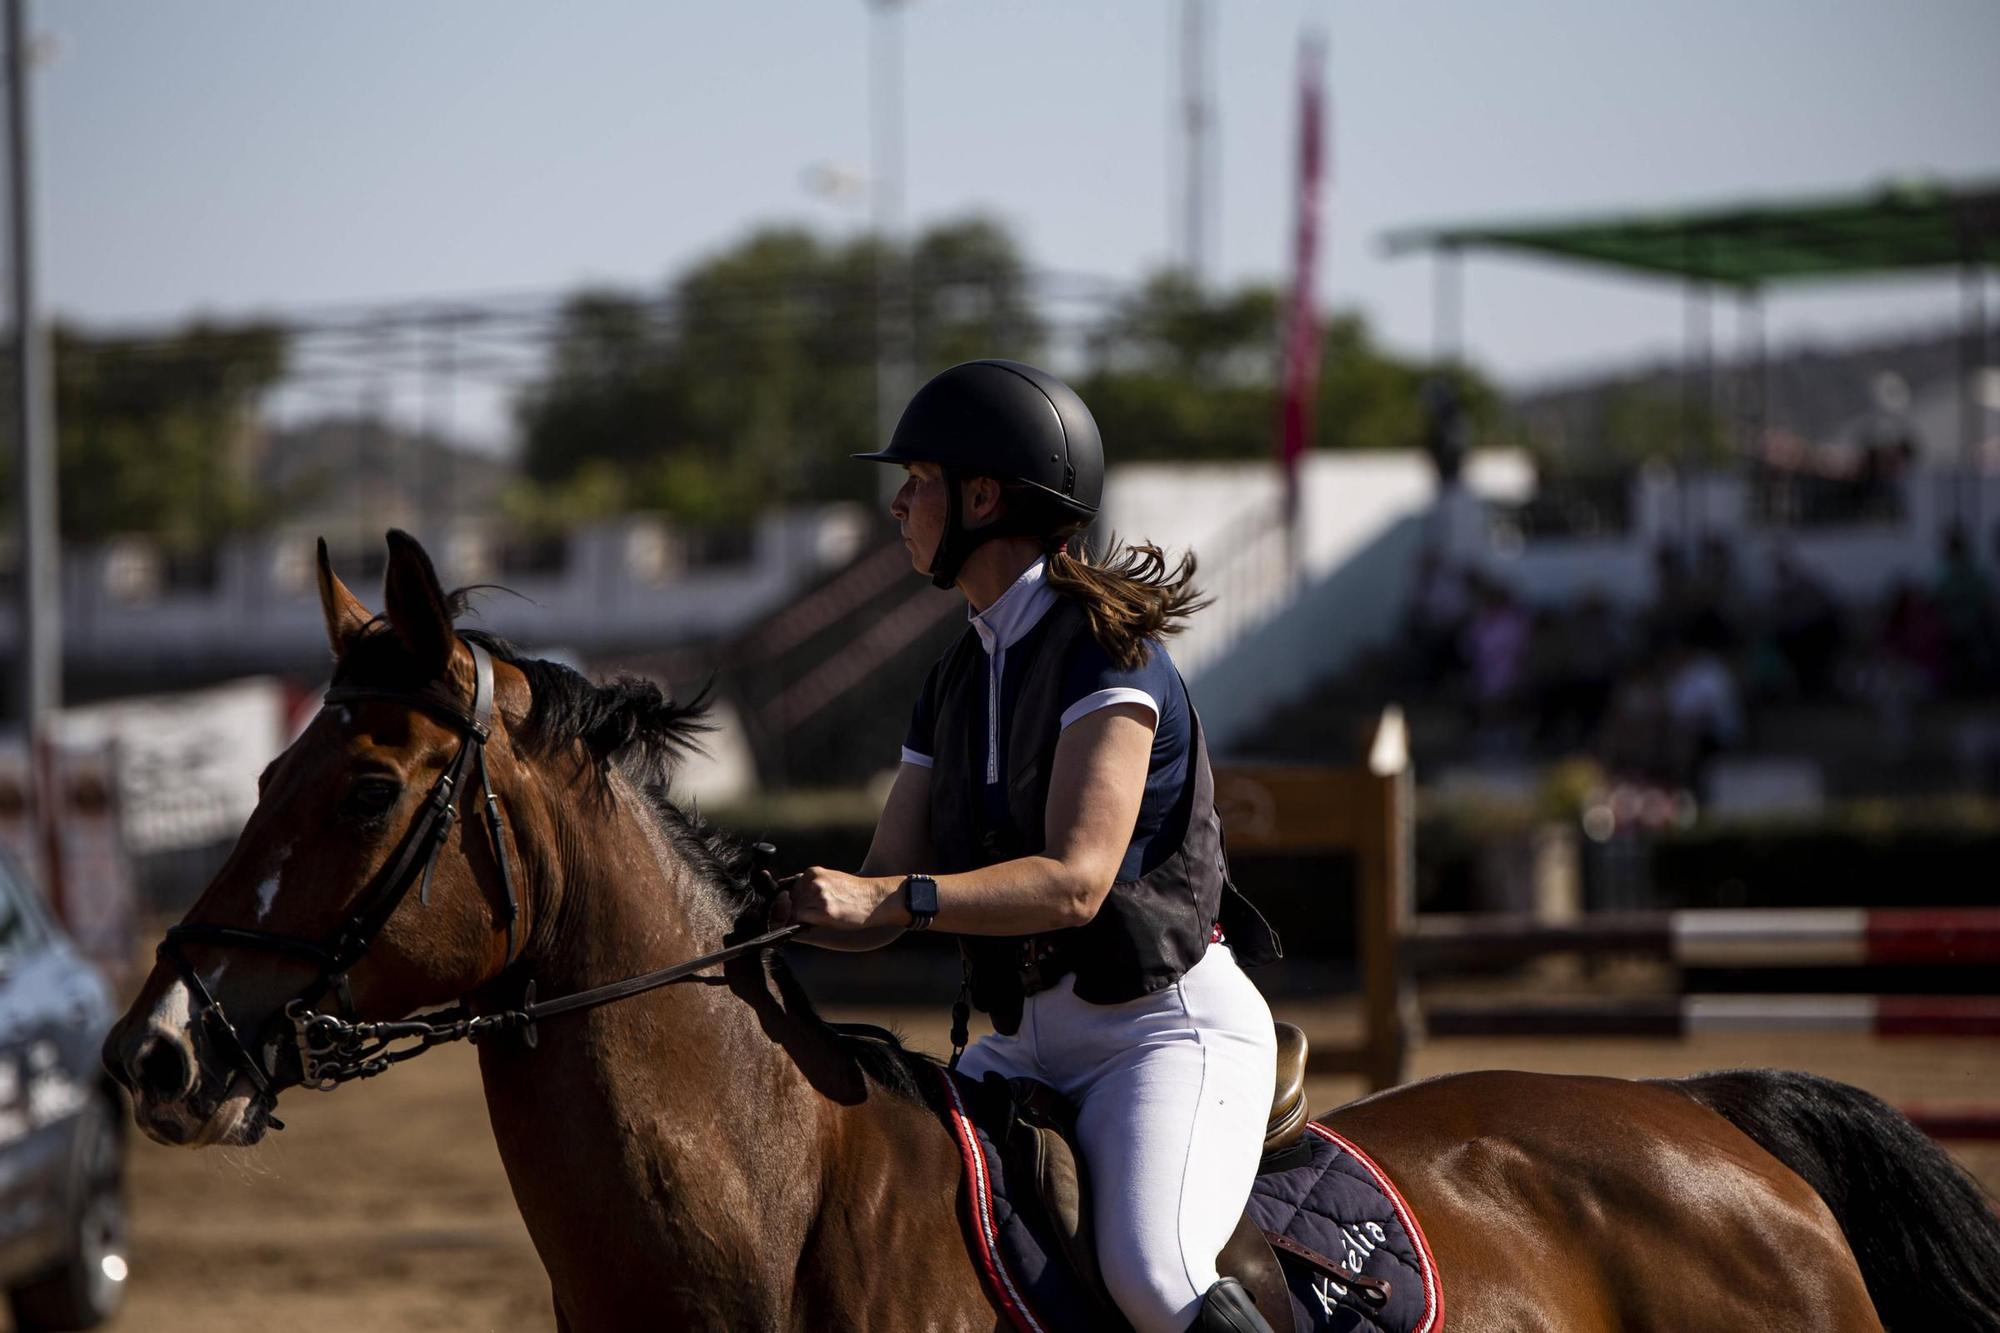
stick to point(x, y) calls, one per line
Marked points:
point(1301, 356)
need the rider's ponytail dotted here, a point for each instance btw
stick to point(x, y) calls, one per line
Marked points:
point(1129, 595)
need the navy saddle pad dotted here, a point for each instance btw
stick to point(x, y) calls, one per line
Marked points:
point(1339, 1204)
point(1326, 1197)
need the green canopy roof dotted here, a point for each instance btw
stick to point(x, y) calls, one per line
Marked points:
point(1917, 225)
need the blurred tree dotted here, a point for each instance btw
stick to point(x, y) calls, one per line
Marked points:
point(755, 377)
point(607, 396)
point(1177, 373)
point(1181, 374)
point(970, 296)
point(157, 436)
point(1370, 399)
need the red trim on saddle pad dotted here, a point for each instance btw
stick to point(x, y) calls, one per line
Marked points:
point(985, 1235)
point(1433, 1319)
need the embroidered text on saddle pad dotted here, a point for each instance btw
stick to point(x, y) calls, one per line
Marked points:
point(1339, 1204)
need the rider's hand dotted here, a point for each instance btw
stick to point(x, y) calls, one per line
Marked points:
point(821, 897)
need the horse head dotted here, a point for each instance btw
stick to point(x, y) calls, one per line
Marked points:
point(320, 900)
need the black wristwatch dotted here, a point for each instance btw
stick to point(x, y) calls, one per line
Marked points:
point(920, 896)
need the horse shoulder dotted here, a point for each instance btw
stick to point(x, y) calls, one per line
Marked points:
point(888, 1247)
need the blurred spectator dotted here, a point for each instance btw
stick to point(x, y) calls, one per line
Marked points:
point(1659, 689)
point(1444, 427)
point(1675, 598)
point(1636, 737)
point(1913, 636)
point(1496, 649)
point(1806, 624)
point(1573, 663)
point(1704, 711)
point(1878, 479)
point(1889, 448)
point(1763, 671)
point(1435, 619)
point(1965, 606)
point(1545, 671)
point(1714, 599)
point(1908, 666)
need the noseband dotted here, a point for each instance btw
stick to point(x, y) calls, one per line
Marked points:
point(333, 1050)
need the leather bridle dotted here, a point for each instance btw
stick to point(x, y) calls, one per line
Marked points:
point(333, 1050)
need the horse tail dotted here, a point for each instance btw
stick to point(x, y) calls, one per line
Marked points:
point(1925, 1235)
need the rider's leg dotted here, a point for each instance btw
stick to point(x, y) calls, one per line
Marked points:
point(1008, 1056)
point(1173, 1091)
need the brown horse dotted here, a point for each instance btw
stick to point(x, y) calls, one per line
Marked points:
point(716, 1157)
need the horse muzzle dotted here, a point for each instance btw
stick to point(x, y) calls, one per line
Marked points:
point(181, 1096)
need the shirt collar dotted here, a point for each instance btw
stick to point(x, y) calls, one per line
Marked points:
point(1017, 610)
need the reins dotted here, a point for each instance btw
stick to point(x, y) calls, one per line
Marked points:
point(333, 1050)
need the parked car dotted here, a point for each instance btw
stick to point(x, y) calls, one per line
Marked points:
point(62, 1125)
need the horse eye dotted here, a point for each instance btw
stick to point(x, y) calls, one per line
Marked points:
point(372, 796)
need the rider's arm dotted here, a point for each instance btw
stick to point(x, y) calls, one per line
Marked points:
point(1095, 787)
point(902, 846)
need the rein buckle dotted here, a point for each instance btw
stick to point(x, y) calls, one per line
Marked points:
point(318, 1038)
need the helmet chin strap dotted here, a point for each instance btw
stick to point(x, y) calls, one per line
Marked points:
point(957, 543)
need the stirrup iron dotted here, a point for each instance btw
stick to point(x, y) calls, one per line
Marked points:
point(1227, 1308)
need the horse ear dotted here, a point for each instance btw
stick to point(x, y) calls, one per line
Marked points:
point(345, 615)
point(415, 604)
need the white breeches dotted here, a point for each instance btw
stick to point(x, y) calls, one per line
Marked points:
point(1172, 1092)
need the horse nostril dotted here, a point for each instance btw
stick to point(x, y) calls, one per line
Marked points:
point(163, 1070)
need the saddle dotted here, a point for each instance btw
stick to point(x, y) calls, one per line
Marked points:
point(1036, 1146)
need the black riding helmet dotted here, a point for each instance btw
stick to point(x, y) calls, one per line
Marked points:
point(1011, 422)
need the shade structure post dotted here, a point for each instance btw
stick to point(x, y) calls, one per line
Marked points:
point(1753, 386)
point(1971, 358)
point(1447, 306)
point(1697, 358)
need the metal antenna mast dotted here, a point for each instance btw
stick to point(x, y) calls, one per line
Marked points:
point(1197, 123)
point(894, 354)
point(41, 632)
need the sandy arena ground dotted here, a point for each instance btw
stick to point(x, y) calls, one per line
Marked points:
point(383, 1207)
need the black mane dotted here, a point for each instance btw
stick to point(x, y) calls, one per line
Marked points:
point(633, 725)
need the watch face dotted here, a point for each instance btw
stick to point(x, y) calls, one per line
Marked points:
point(922, 893)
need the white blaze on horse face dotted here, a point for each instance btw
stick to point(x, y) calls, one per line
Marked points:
point(171, 1013)
point(267, 892)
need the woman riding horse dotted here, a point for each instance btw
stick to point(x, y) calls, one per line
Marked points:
point(1054, 808)
point(466, 842)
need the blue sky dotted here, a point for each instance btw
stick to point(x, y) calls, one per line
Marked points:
point(230, 157)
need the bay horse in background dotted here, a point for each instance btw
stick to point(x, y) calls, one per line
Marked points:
point(716, 1157)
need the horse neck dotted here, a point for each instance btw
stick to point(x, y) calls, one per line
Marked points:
point(691, 1130)
point(612, 899)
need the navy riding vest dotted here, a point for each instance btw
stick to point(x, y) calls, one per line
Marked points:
point(1149, 930)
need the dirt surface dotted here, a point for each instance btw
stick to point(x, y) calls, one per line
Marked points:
point(383, 1207)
